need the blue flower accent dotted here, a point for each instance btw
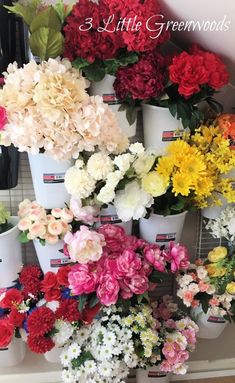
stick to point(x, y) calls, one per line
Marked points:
point(66, 294)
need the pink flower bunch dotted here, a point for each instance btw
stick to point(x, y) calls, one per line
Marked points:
point(37, 223)
point(125, 266)
point(178, 332)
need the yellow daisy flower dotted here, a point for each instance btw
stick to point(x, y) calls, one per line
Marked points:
point(182, 184)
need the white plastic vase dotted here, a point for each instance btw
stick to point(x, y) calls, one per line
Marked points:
point(48, 180)
point(161, 230)
point(109, 216)
point(13, 354)
point(160, 127)
point(50, 257)
point(105, 89)
point(10, 254)
point(151, 375)
point(53, 356)
point(213, 212)
point(210, 326)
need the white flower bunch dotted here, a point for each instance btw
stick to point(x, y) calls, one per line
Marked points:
point(224, 225)
point(126, 181)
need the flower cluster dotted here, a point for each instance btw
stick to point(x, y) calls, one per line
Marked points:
point(47, 226)
point(113, 265)
point(191, 71)
point(226, 123)
point(48, 109)
point(224, 225)
point(4, 216)
point(210, 282)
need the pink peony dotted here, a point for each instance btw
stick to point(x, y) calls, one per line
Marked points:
point(3, 118)
point(108, 290)
point(128, 264)
point(178, 256)
point(82, 280)
point(85, 245)
point(138, 284)
point(115, 237)
point(153, 255)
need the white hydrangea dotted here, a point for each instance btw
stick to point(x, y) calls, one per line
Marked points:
point(99, 166)
point(79, 182)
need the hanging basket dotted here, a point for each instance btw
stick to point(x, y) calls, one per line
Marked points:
point(48, 180)
point(13, 354)
point(160, 127)
point(10, 254)
point(151, 375)
point(161, 230)
point(109, 216)
point(105, 89)
point(210, 326)
point(50, 257)
point(9, 167)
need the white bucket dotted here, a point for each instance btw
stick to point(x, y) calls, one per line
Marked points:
point(10, 255)
point(53, 356)
point(109, 216)
point(50, 257)
point(161, 230)
point(48, 180)
point(105, 89)
point(210, 326)
point(160, 127)
point(13, 354)
point(151, 375)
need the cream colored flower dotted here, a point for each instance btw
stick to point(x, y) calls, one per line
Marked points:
point(143, 164)
point(154, 184)
point(99, 166)
point(79, 183)
point(123, 161)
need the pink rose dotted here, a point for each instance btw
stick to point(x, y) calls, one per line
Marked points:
point(153, 255)
point(114, 237)
point(178, 256)
point(3, 118)
point(128, 263)
point(85, 245)
point(139, 284)
point(82, 280)
point(108, 290)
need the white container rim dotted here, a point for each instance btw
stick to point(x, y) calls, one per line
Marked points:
point(14, 221)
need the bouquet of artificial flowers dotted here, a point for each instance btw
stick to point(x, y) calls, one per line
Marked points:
point(224, 226)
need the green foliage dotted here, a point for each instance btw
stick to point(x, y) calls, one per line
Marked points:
point(46, 43)
point(82, 302)
point(23, 237)
point(27, 13)
point(85, 355)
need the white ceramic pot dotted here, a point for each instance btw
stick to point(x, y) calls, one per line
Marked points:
point(160, 127)
point(10, 255)
point(50, 257)
point(210, 326)
point(105, 89)
point(48, 180)
point(53, 356)
point(161, 230)
point(151, 375)
point(109, 216)
point(13, 354)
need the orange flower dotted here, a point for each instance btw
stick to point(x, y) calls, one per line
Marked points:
point(227, 124)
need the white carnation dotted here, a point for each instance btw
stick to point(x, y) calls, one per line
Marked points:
point(144, 164)
point(123, 161)
point(65, 331)
point(79, 183)
point(131, 203)
point(136, 148)
point(99, 166)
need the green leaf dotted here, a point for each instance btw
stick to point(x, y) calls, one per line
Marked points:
point(95, 71)
point(179, 205)
point(112, 65)
point(142, 297)
point(42, 242)
point(172, 108)
point(46, 43)
point(123, 107)
point(93, 301)
point(23, 237)
point(131, 115)
point(62, 10)
point(27, 13)
point(82, 302)
point(48, 18)
point(80, 63)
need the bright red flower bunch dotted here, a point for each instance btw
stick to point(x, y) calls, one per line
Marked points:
point(143, 80)
point(190, 71)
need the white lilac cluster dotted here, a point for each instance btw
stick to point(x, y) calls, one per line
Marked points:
point(49, 109)
point(224, 225)
point(101, 352)
point(127, 181)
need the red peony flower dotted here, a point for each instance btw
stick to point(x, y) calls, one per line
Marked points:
point(50, 286)
point(3, 118)
point(6, 332)
point(62, 275)
point(40, 344)
point(40, 321)
point(12, 298)
point(30, 279)
point(142, 80)
point(68, 310)
point(16, 318)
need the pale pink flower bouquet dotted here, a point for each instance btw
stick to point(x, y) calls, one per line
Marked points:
point(48, 110)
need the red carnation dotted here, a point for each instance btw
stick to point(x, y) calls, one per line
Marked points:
point(62, 275)
point(40, 344)
point(29, 278)
point(68, 310)
point(89, 314)
point(50, 286)
point(40, 321)
point(12, 298)
point(6, 332)
point(16, 318)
